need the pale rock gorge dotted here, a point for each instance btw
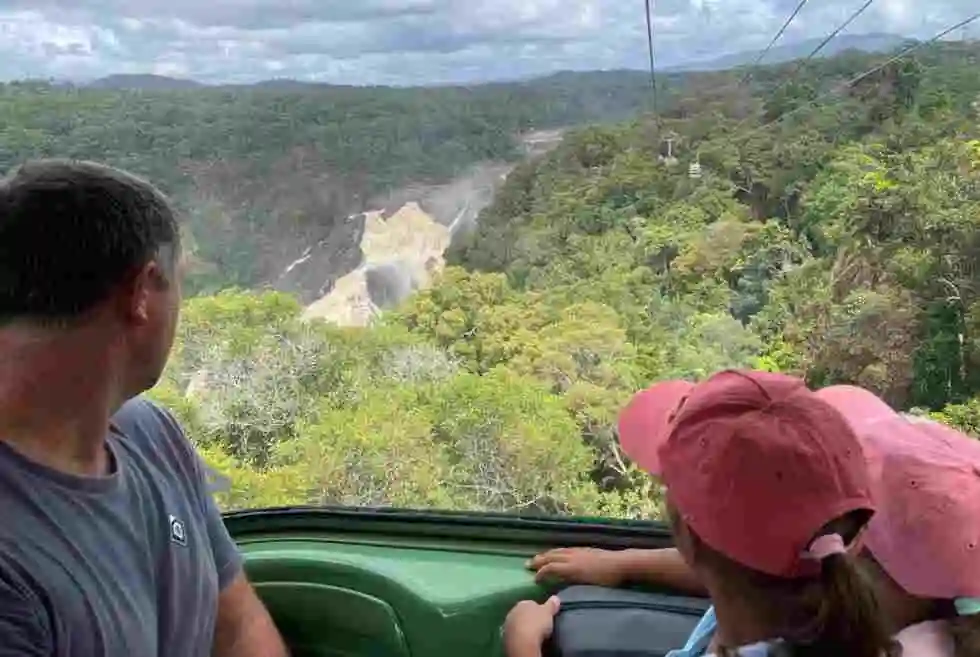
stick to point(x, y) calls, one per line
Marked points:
point(401, 253)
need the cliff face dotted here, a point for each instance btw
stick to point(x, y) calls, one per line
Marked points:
point(361, 264)
point(400, 254)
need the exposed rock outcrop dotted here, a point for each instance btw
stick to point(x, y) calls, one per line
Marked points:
point(401, 253)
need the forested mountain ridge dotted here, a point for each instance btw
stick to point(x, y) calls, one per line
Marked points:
point(392, 135)
point(264, 172)
point(846, 236)
point(840, 243)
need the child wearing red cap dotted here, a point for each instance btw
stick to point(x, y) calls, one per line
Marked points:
point(921, 547)
point(768, 491)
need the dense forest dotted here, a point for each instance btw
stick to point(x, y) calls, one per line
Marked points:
point(258, 170)
point(829, 230)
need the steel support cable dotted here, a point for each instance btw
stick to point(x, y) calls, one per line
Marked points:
point(813, 53)
point(830, 37)
point(803, 62)
point(748, 73)
point(653, 70)
point(850, 83)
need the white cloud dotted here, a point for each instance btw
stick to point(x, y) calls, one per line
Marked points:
point(410, 41)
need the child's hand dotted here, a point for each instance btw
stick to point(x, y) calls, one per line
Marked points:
point(580, 566)
point(528, 626)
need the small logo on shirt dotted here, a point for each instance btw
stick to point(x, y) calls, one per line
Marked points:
point(178, 533)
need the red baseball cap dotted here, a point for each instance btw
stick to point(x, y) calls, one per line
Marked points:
point(926, 534)
point(755, 463)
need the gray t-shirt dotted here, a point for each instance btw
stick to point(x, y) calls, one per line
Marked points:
point(128, 565)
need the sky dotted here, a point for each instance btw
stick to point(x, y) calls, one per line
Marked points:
point(408, 42)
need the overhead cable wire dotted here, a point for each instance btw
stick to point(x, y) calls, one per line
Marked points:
point(830, 37)
point(841, 28)
point(653, 69)
point(850, 83)
point(748, 73)
point(813, 53)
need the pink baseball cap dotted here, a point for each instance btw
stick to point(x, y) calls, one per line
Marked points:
point(926, 534)
point(755, 463)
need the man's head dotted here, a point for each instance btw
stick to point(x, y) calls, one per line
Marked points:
point(91, 251)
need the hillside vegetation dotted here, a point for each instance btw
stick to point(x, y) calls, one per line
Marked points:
point(263, 172)
point(841, 244)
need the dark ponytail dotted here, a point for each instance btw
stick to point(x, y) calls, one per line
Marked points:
point(847, 619)
point(966, 635)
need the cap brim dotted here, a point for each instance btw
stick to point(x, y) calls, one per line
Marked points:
point(643, 423)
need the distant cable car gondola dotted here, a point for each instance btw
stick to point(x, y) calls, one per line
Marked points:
point(667, 150)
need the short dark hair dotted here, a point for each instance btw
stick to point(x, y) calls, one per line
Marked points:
point(70, 231)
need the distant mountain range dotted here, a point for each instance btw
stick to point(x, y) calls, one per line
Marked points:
point(146, 81)
point(862, 42)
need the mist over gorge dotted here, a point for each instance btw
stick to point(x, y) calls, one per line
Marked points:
point(402, 243)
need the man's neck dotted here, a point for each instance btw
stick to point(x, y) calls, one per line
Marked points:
point(56, 398)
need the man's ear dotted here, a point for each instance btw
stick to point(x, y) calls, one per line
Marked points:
point(138, 292)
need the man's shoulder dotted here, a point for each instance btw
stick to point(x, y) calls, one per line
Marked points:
point(141, 415)
point(150, 429)
point(150, 425)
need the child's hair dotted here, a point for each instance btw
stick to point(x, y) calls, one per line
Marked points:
point(833, 614)
point(966, 635)
point(965, 630)
point(848, 619)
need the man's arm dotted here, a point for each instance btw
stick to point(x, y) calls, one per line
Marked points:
point(244, 627)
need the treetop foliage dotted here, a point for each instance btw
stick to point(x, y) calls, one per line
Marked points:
point(840, 243)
